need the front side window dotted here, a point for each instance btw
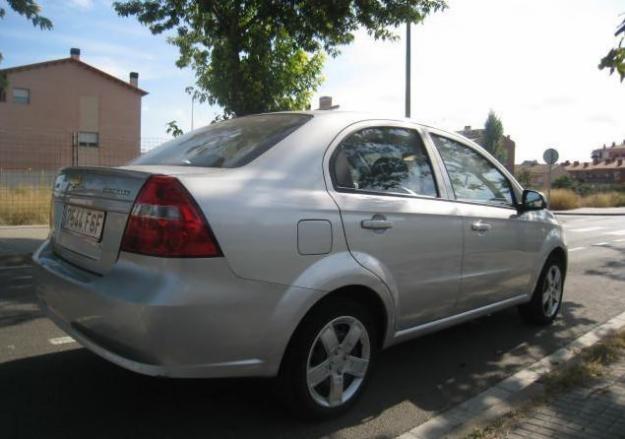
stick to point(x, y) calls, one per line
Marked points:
point(88, 139)
point(472, 176)
point(21, 95)
point(384, 159)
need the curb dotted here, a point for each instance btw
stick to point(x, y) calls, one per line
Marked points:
point(587, 214)
point(501, 398)
point(25, 227)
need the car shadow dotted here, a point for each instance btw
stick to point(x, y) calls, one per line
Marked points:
point(76, 394)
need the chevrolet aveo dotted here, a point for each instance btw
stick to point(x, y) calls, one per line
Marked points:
point(295, 245)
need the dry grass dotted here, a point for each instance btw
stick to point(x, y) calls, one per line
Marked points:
point(24, 205)
point(565, 199)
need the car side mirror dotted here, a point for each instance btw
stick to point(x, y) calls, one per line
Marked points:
point(532, 200)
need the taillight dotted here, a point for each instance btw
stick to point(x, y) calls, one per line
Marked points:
point(165, 221)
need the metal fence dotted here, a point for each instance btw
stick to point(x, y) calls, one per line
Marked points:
point(29, 162)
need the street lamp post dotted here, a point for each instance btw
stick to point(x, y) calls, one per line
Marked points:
point(408, 69)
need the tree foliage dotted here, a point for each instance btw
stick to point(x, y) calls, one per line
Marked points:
point(563, 182)
point(493, 137)
point(615, 59)
point(29, 9)
point(251, 56)
point(174, 129)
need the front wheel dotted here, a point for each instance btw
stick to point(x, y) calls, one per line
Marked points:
point(547, 298)
point(329, 360)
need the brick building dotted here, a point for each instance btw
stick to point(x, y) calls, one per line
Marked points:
point(608, 171)
point(66, 112)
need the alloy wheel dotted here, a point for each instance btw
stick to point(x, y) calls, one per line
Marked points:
point(338, 361)
point(552, 291)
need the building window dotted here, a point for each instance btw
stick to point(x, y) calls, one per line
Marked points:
point(21, 96)
point(86, 138)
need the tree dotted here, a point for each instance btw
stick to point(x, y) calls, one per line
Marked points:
point(563, 182)
point(29, 9)
point(615, 59)
point(260, 55)
point(174, 129)
point(493, 137)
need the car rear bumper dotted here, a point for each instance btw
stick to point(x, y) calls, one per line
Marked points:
point(187, 318)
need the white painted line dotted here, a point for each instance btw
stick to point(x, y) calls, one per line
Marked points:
point(617, 232)
point(586, 229)
point(16, 267)
point(61, 340)
point(619, 240)
point(575, 249)
point(599, 244)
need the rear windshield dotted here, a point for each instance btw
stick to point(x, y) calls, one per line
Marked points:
point(226, 144)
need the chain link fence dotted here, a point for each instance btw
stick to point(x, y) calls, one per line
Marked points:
point(29, 162)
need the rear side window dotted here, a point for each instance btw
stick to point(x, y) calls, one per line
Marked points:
point(228, 144)
point(472, 176)
point(386, 160)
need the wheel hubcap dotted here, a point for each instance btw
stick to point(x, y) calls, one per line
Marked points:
point(338, 361)
point(552, 291)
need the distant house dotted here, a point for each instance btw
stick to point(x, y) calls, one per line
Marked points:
point(66, 112)
point(608, 171)
point(537, 173)
point(477, 135)
point(616, 151)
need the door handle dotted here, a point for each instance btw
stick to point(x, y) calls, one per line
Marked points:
point(481, 227)
point(376, 223)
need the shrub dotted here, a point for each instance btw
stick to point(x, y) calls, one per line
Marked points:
point(563, 199)
point(24, 205)
point(563, 182)
point(605, 199)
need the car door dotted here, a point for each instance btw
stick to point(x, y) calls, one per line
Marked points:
point(395, 222)
point(495, 264)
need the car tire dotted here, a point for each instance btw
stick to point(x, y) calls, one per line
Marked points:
point(547, 298)
point(329, 360)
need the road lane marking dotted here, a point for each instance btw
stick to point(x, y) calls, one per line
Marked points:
point(600, 244)
point(576, 249)
point(586, 229)
point(61, 340)
point(619, 240)
point(617, 232)
point(16, 267)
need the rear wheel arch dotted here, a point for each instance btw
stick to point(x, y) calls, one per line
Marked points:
point(357, 293)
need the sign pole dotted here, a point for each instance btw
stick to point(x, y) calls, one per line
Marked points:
point(550, 156)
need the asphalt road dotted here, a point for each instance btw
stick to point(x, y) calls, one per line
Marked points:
point(50, 387)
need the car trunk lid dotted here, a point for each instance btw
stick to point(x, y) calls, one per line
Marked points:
point(90, 210)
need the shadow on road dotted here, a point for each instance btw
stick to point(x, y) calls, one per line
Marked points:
point(613, 268)
point(76, 394)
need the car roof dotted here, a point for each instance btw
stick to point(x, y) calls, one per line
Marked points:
point(352, 116)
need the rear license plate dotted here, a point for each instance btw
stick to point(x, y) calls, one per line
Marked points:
point(87, 222)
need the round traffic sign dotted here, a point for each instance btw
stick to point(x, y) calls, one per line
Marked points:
point(551, 156)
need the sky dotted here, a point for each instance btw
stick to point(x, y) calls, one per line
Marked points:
point(533, 62)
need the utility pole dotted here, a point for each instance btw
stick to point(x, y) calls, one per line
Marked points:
point(408, 69)
point(192, 102)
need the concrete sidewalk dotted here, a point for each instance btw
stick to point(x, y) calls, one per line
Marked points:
point(596, 410)
point(593, 211)
point(21, 240)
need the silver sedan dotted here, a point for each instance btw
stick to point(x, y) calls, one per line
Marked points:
point(295, 245)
